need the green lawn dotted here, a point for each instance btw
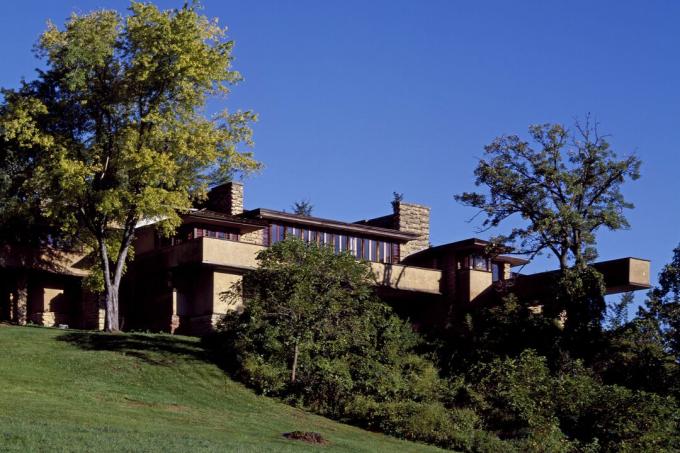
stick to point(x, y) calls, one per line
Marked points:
point(82, 391)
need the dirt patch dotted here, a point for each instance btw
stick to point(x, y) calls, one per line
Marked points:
point(306, 436)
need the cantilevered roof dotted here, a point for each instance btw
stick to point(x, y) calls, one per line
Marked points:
point(466, 246)
point(620, 275)
point(336, 225)
point(221, 218)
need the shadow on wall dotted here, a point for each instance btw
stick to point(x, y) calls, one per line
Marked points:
point(389, 279)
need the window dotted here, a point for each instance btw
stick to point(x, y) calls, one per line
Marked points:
point(479, 263)
point(496, 272)
point(366, 249)
point(361, 248)
point(340, 243)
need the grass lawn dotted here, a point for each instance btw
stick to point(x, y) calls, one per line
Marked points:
point(82, 391)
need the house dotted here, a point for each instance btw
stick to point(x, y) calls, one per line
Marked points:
point(176, 284)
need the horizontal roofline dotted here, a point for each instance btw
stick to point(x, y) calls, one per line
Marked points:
point(221, 217)
point(332, 224)
point(469, 244)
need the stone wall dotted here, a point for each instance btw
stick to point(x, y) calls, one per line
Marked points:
point(413, 218)
point(227, 198)
point(254, 237)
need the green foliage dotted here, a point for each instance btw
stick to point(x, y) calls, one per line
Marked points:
point(643, 353)
point(664, 304)
point(617, 313)
point(355, 359)
point(116, 129)
point(303, 207)
point(358, 362)
point(21, 218)
point(304, 298)
point(483, 332)
point(636, 356)
point(580, 296)
point(521, 399)
point(566, 188)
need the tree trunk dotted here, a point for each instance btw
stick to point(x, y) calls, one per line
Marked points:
point(112, 317)
point(295, 360)
point(112, 281)
point(564, 260)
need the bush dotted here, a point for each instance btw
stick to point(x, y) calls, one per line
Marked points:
point(570, 410)
point(431, 422)
point(314, 334)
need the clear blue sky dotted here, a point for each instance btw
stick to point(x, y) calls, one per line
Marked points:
point(358, 99)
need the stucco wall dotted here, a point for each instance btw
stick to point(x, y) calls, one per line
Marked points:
point(224, 282)
point(407, 278)
point(639, 271)
point(230, 253)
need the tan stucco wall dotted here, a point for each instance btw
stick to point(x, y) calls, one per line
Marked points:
point(44, 303)
point(407, 278)
point(638, 271)
point(226, 282)
point(480, 281)
point(230, 253)
point(47, 259)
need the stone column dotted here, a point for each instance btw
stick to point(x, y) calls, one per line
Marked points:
point(174, 317)
point(413, 218)
point(227, 198)
point(20, 300)
point(254, 237)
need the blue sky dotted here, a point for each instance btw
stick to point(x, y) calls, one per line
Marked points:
point(358, 99)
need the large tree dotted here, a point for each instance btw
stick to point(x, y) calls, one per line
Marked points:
point(116, 122)
point(664, 304)
point(565, 185)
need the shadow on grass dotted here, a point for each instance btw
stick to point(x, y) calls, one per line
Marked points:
point(159, 350)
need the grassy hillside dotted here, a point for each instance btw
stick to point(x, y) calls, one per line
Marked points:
point(80, 391)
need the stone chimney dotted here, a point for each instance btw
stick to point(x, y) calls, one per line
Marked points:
point(413, 218)
point(227, 198)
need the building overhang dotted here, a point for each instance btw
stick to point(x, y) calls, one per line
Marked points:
point(333, 225)
point(620, 275)
point(47, 259)
point(207, 217)
point(467, 246)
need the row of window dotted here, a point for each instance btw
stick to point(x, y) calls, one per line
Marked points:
point(189, 232)
point(361, 248)
point(211, 233)
point(476, 262)
point(482, 263)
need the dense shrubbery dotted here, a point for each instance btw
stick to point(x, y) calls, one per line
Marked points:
point(505, 379)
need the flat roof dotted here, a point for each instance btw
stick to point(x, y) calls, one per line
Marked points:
point(468, 245)
point(319, 222)
point(221, 218)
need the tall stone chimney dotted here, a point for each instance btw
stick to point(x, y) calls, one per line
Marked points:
point(413, 218)
point(227, 198)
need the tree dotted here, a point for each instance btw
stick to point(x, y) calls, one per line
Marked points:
point(303, 208)
point(303, 290)
point(313, 330)
point(22, 220)
point(566, 188)
point(664, 304)
point(116, 122)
